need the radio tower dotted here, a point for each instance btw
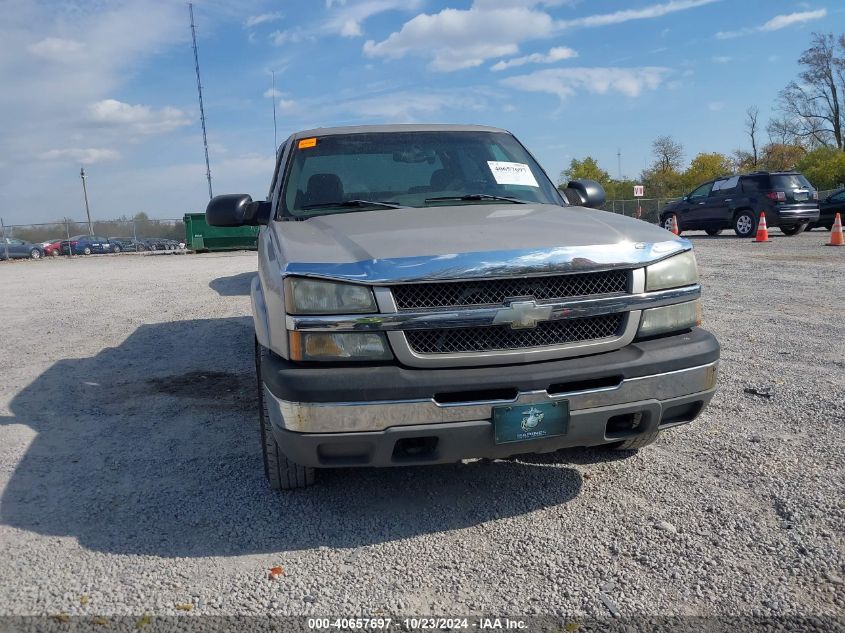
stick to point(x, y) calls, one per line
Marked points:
point(199, 92)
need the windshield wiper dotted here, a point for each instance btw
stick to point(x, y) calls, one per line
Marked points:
point(477, 196)
point(353, 203)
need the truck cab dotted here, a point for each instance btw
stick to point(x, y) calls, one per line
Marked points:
point(426, 295)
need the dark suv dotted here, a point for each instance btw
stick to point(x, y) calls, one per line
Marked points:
point(787, 198)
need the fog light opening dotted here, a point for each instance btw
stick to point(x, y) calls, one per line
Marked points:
point(415, 448)
point(625, 424)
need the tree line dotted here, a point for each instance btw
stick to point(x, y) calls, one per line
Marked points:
point(806, 132)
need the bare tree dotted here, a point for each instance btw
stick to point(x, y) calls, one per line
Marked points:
point(751, 115)
point(668, 154)
point(812, 106)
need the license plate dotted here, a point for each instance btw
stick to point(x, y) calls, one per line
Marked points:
point(801, 196)
point(526, 422)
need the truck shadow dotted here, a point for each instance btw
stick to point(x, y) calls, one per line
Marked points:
point(152, 448)
point(233, 286)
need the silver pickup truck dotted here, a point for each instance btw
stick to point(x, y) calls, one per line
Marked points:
point(425, 294)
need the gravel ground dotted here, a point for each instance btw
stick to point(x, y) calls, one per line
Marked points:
point(131, 477)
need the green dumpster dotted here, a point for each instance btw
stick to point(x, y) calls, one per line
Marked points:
point(200, 236)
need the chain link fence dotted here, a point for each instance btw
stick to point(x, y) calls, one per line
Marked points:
point(131, 235)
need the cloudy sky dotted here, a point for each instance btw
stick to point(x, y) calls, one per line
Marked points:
point(110, 84)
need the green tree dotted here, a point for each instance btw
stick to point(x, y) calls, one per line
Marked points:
point(824, 167)
point(587, 168)
point(781, 156)
point(705, 167)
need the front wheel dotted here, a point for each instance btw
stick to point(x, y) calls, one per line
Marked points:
point(281, 473)
point(671, 219)
point(115, 249)
point(713, 232)
point(35, 254)
point(792, 230)
point(86, 250)
point(745, 223)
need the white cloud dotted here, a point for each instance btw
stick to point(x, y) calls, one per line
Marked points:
point(626, 15)
point(86, 156)
point(139, 119)
point(349, 17)
point(782, 21)
point(555, 54)
point(565, 82)
point(255, 20)
point(722, 59)
point(775, 24)
point(272, 92)
point(279, 38)
point(57, 49)
point(465, 38)
point(716, 106)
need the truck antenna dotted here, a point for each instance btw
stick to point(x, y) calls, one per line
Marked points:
point(199, 92)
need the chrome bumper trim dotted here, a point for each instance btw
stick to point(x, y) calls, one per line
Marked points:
point(346, 417)
point(487, 316)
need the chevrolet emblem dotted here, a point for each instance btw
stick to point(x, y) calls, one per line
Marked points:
point(522, 314)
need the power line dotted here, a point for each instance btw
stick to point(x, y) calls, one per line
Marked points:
point(199, 92)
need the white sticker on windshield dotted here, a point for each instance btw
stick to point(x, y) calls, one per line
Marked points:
point(512, 173)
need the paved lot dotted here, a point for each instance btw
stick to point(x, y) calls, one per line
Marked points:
point(131, 481)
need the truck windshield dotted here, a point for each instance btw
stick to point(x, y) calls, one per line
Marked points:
point(361, 172)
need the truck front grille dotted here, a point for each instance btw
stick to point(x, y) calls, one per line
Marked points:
point(503, 337)
point(485, 292)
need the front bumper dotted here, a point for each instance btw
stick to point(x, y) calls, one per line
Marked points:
point(656, 384)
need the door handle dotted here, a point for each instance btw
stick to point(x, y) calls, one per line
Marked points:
point(700, 203)
point(728, 199)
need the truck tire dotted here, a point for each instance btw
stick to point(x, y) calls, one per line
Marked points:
point(635, 442)
point(792, 230)
point(281, 473)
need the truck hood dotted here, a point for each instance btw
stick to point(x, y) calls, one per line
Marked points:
point(468, 241)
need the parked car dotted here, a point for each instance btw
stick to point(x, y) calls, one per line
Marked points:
point(735, 202)
point(828, 208)
point(426, 295)
point(86, 245)
point(126, 244)
point(19, 249)
point(52, 248)
point(155, 243)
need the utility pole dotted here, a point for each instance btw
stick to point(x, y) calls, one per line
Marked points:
point(619, 161)
point(199, 92)
point(85, 193)
point(273, 94)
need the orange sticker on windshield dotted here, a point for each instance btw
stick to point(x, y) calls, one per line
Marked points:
point(307, 142)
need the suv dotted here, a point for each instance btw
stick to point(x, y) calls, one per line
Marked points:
point(426, 295)
point(828, 208)
point(788, 199)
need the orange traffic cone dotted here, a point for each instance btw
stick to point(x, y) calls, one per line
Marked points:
point(836, 237)
point(762, 230)
point(675, 228)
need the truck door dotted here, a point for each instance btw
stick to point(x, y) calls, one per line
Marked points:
point(696, 203)
point(716, 213)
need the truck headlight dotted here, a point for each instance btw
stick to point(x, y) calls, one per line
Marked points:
point(338, 346)
point(673, 272)
point(681, 316)
point(315, 296)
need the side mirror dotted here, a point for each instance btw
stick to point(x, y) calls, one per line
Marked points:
point(586, 193)
point(237, 209)
point(685, 198)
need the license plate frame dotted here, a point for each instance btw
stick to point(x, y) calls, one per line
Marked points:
point(518, 423)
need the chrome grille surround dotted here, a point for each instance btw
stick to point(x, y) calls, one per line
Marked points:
point(484, 292)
